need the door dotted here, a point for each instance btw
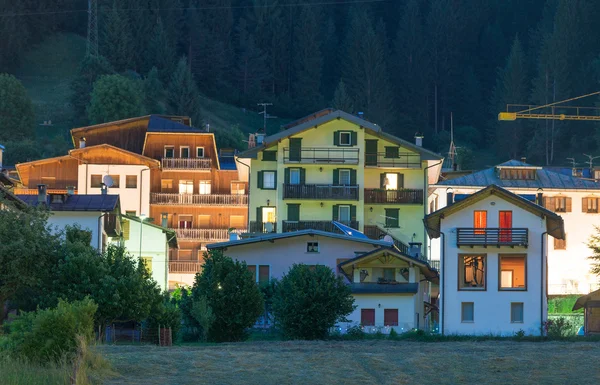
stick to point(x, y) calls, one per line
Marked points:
point(370, 152)
point(295, 149)
point(268, 219)
point(367, 317)
point(505, 222)
point(480, 221)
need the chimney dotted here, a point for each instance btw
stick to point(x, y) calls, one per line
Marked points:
point(251, 141)
point(164, 220)
point(260, 137)
point(234, 236)
point(1, 152)
point(361, 114)
point(523, 159)
point(42, 193)
point(82, 143)
point(540, 197)
point(419, 139)
point(70, 190)
point(414, 250)
point(449, 197)
point(104, 189)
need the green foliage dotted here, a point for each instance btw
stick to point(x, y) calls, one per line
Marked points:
point(230, 137)
point(465, 158)
point(161, 52)
point(307, 303)
point(232, 295)
point(204, 316)
point(154, 93)
point(52, 334)
point(355, 333)
point(90, 70)
point(115, 97)
point(76, 234)
point(562, 305)
point(393, 334)
point(341, 100)
point(165, 313)
point(594, 245)
point(559, 328)
point(16, 110)
point(183, 95)
point(116, 42)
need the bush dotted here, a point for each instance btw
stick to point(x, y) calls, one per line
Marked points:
point(355, 333)
point(559, 328)
point(307, 303)
point(165, 314)
point(52, 334)
point(393, 334)
point(203, 315)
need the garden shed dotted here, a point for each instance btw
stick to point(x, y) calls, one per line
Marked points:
point(591, 303)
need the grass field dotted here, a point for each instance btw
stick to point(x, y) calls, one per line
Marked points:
point(361, 362)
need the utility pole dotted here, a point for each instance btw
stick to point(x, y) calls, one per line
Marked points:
point(591, 160)
point(265, 115)
point(572, 162)
point(92, 35)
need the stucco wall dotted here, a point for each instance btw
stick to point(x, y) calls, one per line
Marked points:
point(86, 220)
point(405, 303)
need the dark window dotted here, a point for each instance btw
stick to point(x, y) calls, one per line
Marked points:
point(264, 273)
point(389, 274)
point(312, 247)
point(367, 317)
point(269, 156)
point(169, 152)
point(96, 181)
point(199, 152)
point(467, 313)
point(390, 317)
point(345, 138)
point(516, 312)
point(392, 218)
point(184, 152)
point(131, 181)
point(392, 152)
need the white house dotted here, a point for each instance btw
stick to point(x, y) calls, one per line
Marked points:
point(493, 263)
point(390, 288)
point(577, 200)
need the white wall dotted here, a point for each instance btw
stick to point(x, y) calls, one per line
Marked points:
point(86, 220)
point(129, 197)
point(492, 307)
point(405, 303)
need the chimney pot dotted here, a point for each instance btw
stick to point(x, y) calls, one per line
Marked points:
point(70, 190)
point(82, 143)
point(104, 189)
point(523, 159)
point(419, 139)
point(449, 198)
point(415, 249)
point(42, 193)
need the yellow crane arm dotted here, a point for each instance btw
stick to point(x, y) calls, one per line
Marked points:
point(508, 116)
point(527, 113)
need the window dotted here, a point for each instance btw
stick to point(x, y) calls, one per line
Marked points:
point(467, 312)
point(252, 269)
point(204, 187)
point(294, 176)
point(312, 247)
point(131, 181)
point(270, 156)
point(203, 221)
point(199, 152)
point(185, 221)
point(344, 177)
point(264, 273)
point(390, 181)
point(131, 213)
point(186, 186)
point(472, 271)
point(184, 152)
point(392, 152)
point(116, 179)
point(517, 174)
point(367, 317)
point(392, 218)
point(147, 261)
point(268, 180)
point(344, 213)
point(237, 221)
point(560, 204)
point(390, 317)
point(166, 185)
point(560, 244)
point(513, 272)
point(345, 138)
point(169, 151)
point(589, 205)
point(516, 312)
point(238, 188)
point(96, 181)
point(389, 274)
point(480, 221)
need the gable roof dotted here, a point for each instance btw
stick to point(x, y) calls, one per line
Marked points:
point(328, 115)
point(275, 236)
point(545, 179)
point(554, 222)
point(84, 202)
point(6, 194)
point(108, 149)
point(158, 123)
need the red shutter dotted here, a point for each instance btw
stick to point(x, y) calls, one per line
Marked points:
point(367, 317)
point(480, 221)
point(505, 221)
point(390, 317)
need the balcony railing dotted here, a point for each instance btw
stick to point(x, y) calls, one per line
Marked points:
point(189, 267)
point(434, 264)
point(262, 227)
point(198, 199)
point(402, 196)
point(319, 191)
point(112, 225)
point(316, 225)
point(403, 160)
point(187, 164)
point(321, 155)
point(374, 232)
point(204, 234)
point(492, 237)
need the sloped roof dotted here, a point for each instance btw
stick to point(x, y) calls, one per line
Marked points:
point(159, 124)
point(545, 179)
point(110, 148)
point(328, 115)
point(554, 222)
point(87, 202)
point(6, 194)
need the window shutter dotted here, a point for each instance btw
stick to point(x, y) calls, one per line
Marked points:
point(335, 212)
point(125, 226)
point(400, 181)
point(286, 176)
point(353, 213)
point(275, 179)
point(353, 177)
point(568, 204)
point(302, 176)
point(584, 205)
point(336, 138)
point(293, 213)
point(549, 203)
point(382, 180)
point(391, 219)
point(259, 182)
point(354, 139)
point(259, 214)
point(336, 177)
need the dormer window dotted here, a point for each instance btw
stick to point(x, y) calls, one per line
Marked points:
point(517, 174)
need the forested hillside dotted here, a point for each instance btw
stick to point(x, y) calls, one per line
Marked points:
point(407, 64)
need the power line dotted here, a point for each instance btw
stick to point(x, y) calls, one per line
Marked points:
point(343, 2)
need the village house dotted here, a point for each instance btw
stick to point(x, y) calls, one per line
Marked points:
point(493, 271)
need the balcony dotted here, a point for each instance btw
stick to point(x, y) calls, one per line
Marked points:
point(321, 155)
point(112, 225)
point(320, 191)
point(492, 237)
point(215, 235)
point(402, 196)
point(403, 160)
point(316, 225)
point(186, 267)
point(185, 164)
point(198, 199)
point(262, 227)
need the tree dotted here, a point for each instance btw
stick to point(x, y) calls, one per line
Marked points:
point(154, 93)
point(232, 295)
point(90, 69)
point(115, 97)
point(183, 97)
point(250, 71)
point(231, 137)
point(17, 117)
point(117, 43)
point(307, 303)
point(161, 52)
point(594, 245)
point(341, 100)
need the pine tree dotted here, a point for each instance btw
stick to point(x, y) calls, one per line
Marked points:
point(154, 93)
point(251, 69)
point(341, 99)
point(161, 51)
point(117, 42)
point(90, 69)
point(183, 97)
point(308, 62)
point(330, 52)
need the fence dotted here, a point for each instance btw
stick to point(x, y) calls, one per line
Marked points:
point(136, 334)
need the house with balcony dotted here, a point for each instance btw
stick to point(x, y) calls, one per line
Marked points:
point(493, 271)
point(334, 166)
point(391, 288)
point(574, 198)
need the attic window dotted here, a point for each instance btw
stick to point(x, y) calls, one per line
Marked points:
point(517, 174)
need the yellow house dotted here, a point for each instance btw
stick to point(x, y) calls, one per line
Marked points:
point(336, 166)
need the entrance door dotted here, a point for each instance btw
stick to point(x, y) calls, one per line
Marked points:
point(505, 222)
point(268, 219)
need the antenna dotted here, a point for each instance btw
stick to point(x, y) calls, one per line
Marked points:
point(591, 160)
point(92, 36)
point(265, 114)
point(108, 181)
point(572, 162)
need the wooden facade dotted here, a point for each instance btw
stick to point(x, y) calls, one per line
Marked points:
point(108, 154)
point(591, 305)
point(57, 173)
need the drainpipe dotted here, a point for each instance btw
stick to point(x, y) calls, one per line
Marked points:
point(425, 188)
point(141, 185)
point(544, 285)
point(249, 179)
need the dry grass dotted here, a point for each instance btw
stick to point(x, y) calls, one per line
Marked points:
point(361, 362)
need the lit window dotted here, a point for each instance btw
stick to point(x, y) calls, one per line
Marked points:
point(312, 247)
point(472, 272)
point(169, 151)
point(294, 176)
point(131, 181)
point(345, 138)
point(345, 177)
point(184, 152)
point(237, 221)
point(186, 187)
point(199, 152)
point(391, 181)
point(238, 188)
point(344, 213)
point(480, 221)
point(467, 313)
point(96, 181)
point(516, 312)
point(166, 185)
point(204, 187)
point(512, 272)
point(269, 179)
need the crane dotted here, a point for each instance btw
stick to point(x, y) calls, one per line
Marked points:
point(571, 112)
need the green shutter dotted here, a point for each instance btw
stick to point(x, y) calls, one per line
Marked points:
point(259, 214)
point(259, 181)
point(352, 212)
point(293, 212)
point(275, 180)
point(353, 177)
point(400, 181)
point(392, 217)
point(354, 139)
point(336, 177)
point(295, 149)
point(371, 152)
point(302, 176)
point(392, 152)
point(269, 156)
point(335, 212)
point(382, 180)
point(286, 176)
point(336, 138)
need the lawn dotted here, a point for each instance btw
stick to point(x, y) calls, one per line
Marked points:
point(360, 362)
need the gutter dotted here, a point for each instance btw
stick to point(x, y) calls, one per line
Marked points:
point(425, 204)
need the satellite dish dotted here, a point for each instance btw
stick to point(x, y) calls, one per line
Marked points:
point(388, 238)
point(108, 181)
point(268, 227)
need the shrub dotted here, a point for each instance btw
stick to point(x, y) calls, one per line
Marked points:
point(309, 302)
point(165, 314)
point(52, 334)
point(559, 328)
point(393, 334)
point(204, 315)
point(355, 333)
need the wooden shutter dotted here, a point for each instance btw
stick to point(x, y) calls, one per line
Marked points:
point(367, 317)
point(390, 317)
point(354, 138)
point(370, 152)
point(263, 273)
point(259, 214)
point(295, 149)
point(353, 177)
point(549, 203)
point(336, 177)
point(336, 212)
point(125, 226)
point(259, 181)
point(382, 180)
point(568, 204)
point(392, 152)
point(392, 217)
point(286, 175)
point(400, 181)
point(302, 176)
point(336, 138)
point(275, 180)
point(352, 213)
point(293, 212)
point(584, 205)
point(269, 156)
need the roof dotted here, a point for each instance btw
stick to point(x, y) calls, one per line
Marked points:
point(5, 193)
point(292, 234)
point(554, 222)
point(171, 234)
point(227, 160)
point(379, 288)
point(545, 179)
point(159, 124)
point(328, 115)
point(84, 202)
point(108, 147)
point(583, 300)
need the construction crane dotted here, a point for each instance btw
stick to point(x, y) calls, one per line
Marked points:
point(531, 112)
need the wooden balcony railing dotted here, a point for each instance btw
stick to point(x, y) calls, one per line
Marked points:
point(320, 191)
point(492, 237)
point(402, 196)
point(190, 267)
point(198, 199)
point(262, 227)
point(112, 225)
point(187, 164)
point(204, 234)
point(403, 160)
point(375, 232)
point(321, 155)
point(315, 225)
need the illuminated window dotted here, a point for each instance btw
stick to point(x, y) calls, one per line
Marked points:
point(472, 272)
point(204, 187)
point(238, 188)
point(166, 185)
point(513, 270)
